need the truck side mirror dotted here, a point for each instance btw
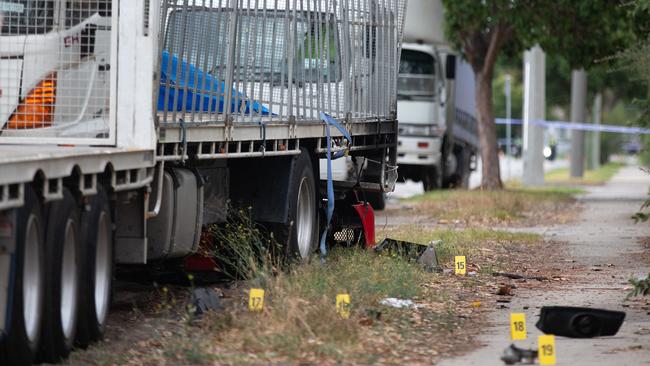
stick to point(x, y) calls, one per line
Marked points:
point(450, 67)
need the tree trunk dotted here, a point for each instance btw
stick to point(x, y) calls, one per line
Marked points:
point(487, 132)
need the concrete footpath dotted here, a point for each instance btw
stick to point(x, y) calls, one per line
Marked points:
point(607, 244)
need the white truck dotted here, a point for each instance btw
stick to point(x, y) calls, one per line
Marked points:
point(126, 126)
point(438, 135)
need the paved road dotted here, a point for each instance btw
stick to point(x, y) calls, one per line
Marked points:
point(603, 235)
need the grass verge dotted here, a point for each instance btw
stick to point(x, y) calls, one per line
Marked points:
point(300, 325)
point(591, 177)
point(471, 242)
point(538, 205)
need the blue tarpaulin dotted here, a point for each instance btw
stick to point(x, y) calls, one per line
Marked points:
point(203, 96)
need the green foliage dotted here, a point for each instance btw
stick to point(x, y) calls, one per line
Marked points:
point(581, 31)
point(640, 287)
point(637, 60)
point(369, 277)
point(470, 24)
point(243, 249)
point(587, 30)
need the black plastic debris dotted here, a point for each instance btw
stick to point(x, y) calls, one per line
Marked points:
point(576, 322)
point(513, 355)
point(204, 299)
point(424, 254)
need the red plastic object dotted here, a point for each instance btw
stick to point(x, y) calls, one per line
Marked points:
point(367, 216)
point(199, 263)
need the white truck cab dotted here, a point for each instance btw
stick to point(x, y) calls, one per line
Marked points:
point(438, 137)
point(420, 108)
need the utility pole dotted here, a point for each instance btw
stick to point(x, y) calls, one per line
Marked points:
point(595, 142)
point(578, 111)
point(509, 125)
point(534, 110)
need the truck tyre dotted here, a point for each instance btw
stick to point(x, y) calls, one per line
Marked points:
point(463, 169)
point(22, 342)
point(300, 234)
point(460, 177)
point(431, 179)
point(96, 237)
point(61, 279)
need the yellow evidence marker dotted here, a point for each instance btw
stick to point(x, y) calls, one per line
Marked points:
point(546, 349)
point(518, 326)
point(460, 265)
point(256, 299)
point(343, 305)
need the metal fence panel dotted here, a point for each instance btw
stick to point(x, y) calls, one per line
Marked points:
point(55, 71)
point(273, 60)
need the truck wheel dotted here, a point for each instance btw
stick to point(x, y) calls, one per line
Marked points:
point(300, 234)
point(61, 279)
point(96, 269)
point(431, 179)
point(22, 342)
point(460, 176)
point(463, 169)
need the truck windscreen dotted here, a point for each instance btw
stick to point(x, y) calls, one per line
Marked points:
point(416, 75)
point(24, 17)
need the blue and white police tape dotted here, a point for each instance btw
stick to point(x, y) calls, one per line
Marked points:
point(579, 126)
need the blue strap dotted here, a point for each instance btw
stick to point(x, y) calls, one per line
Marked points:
point(329, 121)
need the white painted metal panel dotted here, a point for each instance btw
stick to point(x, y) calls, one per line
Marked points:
point(10, 70)
point(415, 111)
point(137, 55)
point(424, 22)
point(465, 86)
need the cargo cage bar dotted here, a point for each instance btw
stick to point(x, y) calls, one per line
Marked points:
point(241, 140)
point(276, 60)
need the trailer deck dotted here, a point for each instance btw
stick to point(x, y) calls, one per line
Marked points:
point(50, 164)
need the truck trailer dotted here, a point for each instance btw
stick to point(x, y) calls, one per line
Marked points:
point(126, 127)
point(438, 134)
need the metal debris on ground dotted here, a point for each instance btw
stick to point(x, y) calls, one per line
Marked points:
point(204, 299)
point(424, 254)
point(514, 354)
point(398, 303)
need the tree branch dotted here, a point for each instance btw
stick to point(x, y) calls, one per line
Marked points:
point(493, 49)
